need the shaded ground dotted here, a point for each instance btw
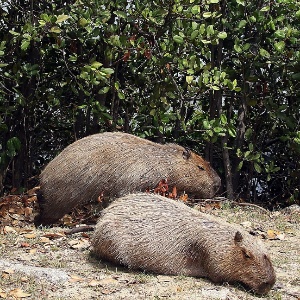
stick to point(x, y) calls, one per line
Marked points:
point(47, 264)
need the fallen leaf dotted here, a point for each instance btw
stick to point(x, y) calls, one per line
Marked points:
point(246, 224)
point(79, 244)
point(108, 280)
point(3, 294)
point(75, 278)
point(9, 271)
point(106, 292)
point(30, 235)
point(8, 229)
point(94, 283)
point(18, 293)
point(32, 251)
point(54, 235)
point(184, 197)
point(275, 235)
point(25, 245)
point(67, 220)
point(44, 240)
point(28, 211)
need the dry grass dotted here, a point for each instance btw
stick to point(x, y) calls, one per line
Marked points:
point(90, 278)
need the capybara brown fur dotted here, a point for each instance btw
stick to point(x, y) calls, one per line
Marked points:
point(160, 235)
point(114, 164)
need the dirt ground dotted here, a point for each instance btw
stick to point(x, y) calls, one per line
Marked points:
point(47, 264)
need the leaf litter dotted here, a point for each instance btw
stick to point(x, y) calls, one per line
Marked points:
point(58, 265)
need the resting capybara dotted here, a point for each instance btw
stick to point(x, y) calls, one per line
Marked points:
point(115, 164)
point(157, 234)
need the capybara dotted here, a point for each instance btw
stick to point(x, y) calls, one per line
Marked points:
point(114, 164)
point(160, 235)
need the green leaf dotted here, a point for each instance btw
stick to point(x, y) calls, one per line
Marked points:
point(223, 119)
point(232, 131)
point(3, 65)
point(222, 35)
point(178, 39)
point(195, 9)
point(240, 165)
point(83, 22)
point(257, 167)
point(238, 48)
point(189, 79)
point(264, 53)
point(13, 146)
point(121, 95)
point(107, 71)
point(104, 90)
point(14, 33)
point(25, 44)
point(120, 14)
point(96, 64)
point(62, 18)
point(241, 2)
point(242, 24)
point(279, 46)
point(206, 14)
point(279, 34)
point(266, 8)
point(55, 29)
point(194, 34)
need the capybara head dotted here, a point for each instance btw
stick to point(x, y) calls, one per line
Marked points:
point(115, 164)
point(153, 233)
point(244, 260)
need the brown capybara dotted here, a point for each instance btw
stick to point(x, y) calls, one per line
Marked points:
point(114, 164)
point(160, 235)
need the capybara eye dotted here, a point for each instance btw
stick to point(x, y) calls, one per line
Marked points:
point(201, 168)
point(247, 254)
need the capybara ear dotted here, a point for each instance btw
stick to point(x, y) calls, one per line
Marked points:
point(238, 238)
point(186, 154)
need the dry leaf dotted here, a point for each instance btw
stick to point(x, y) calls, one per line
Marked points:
point(106, 292)
point(54, 235)
point(275, 235)
point(25, 245)
point(28, 211)
point(75, 278)
point(94, 283)
point(32, 251)
point(108, 280)
point(79, 244)
point(18, 293)
point(44, 240)
point(30, 235)
point(246, 224)
point(3, 294)
point(184, 197)
point(8, 229)
point(9, 271)
point(67, 220)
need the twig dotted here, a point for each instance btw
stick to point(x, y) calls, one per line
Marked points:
point(80, 229)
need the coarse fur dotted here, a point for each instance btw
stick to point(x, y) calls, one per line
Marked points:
point(114, 164)
point(153, 233)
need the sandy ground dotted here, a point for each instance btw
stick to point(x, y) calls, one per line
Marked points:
point(47, 264)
